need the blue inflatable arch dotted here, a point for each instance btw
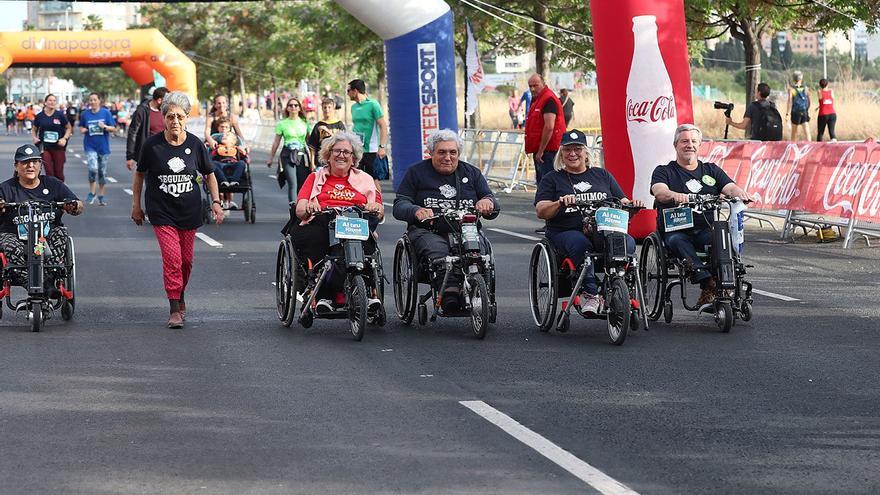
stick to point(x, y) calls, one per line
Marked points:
point(420, 68)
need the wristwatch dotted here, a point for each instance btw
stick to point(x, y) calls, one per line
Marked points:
point(217, 202)
point(382, 146)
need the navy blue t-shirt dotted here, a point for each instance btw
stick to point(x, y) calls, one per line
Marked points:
point(423, 187)
point(592, 185)
point(51, 128)
point(49, 189)
point(171, 193)
point(707, 178)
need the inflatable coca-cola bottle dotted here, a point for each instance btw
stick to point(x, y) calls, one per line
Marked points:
point(650, 107)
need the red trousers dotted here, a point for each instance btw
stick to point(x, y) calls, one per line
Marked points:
point(177, 257)
point(53, 163)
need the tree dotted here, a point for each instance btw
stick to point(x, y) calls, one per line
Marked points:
point(747, 20)
point(93, 22)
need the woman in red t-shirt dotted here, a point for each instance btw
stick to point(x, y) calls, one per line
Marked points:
point(827, 115)
point(337, 183)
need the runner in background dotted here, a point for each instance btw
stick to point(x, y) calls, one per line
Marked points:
point(799, 106)
point(51, 130)
point(96, 123)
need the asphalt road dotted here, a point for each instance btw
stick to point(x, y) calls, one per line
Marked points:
point(113, 402)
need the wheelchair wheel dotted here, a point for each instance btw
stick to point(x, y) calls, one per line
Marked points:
point(479, 301)
point(285, 283)
point(36, 316)
point(619, 310)
point(543, 287)
point(654, 276)
point(69, 305)
point(357, 306)
point(246, 205)
point(405, 281)
point(724, 316)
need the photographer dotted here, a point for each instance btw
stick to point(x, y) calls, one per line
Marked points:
point(761, 118)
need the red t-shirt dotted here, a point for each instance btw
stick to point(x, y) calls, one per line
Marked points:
point(157, 122)
point(826, 102)
point(336, 191)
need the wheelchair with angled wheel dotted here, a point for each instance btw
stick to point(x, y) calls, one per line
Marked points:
point(662, 272)
point(470, 260)
point(299, 279)
point(553, 275)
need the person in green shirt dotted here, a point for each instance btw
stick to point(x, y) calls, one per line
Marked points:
point(369, 123)
point(295, 164)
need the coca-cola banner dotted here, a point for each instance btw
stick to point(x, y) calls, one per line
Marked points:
point(833, 179)
point(644, 90)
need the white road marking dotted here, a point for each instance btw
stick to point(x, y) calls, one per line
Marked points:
point(564, 459)
point(112, 180)
point(208, 240)
point(128, 191)
point(86, 162)
point(390, 205)
point(515, 234)
point(775, 296)
point(273, 176)
point(77, 155)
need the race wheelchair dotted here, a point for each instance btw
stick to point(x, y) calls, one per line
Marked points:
point(662, 272)
point(244, 187)
point(43, 296)
point(298, 279)
point(553, 275)
point(470, 258)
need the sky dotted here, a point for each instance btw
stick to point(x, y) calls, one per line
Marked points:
point(14, 13)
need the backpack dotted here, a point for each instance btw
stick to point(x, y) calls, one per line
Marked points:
point(767, 123)
point(799, 102)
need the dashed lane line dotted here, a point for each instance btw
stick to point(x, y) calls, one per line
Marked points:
point(775, 296)
point(128, 191)
point(514, 234)
point(585, 472)
point(112, 180)
point(273, 176)
point(208, 240)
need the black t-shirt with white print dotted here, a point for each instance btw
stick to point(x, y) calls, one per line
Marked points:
point(171, 193)
point(594, 184)
point(49, 189)
point(707, 178)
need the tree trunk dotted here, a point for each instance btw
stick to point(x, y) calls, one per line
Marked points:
point(542, 58)
point(750, 36)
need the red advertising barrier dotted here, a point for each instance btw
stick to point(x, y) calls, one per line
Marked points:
point(832, 179)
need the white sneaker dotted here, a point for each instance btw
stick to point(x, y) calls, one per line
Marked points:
point(324, 306)
point(233, 205)
point(373, 305)
point(590, 303)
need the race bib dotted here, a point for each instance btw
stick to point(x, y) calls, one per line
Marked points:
point(95, 130)
point(50, 137)
point(680, 218)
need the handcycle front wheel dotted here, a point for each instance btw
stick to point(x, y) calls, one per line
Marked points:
point(479, 302)
point(36, 316)
point(356, 299)
point(619, 310)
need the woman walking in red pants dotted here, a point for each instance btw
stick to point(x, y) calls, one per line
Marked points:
point(167, 169)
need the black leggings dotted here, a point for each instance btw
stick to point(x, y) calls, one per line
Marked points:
point(830, 120)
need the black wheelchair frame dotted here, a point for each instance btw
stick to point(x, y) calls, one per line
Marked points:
point(662, 272)
point(41, 303)
point(297, 277)
point(466, 257)
point(616, 274)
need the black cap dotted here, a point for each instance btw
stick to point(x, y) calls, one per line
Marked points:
point(574, 136)
point(27, 152)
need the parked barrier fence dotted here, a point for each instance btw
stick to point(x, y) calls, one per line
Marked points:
point(807, 185)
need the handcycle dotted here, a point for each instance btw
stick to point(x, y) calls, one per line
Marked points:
point(553, 275)
point(470, 258)
point(297, 278)
point(662, 272)
point(41, 301)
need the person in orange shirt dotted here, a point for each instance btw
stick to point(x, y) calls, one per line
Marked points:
point(19, 121)
point(29, 117)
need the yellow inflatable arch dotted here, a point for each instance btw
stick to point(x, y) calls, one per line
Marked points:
point(138, 52)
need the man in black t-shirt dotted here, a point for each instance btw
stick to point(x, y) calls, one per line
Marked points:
point(671, 184)
point(761, 117)
point(439, 183)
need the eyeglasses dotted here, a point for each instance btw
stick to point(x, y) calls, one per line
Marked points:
point(35, 163)
point(342, 153)
point(175, 116)
point(292, 105)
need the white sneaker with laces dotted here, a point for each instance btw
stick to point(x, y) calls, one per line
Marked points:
point(324, 306)
point(590, 303)
point(373, 305)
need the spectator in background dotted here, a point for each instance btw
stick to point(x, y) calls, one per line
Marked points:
point(827, 115)
point(370, 124)
point(96, 123)
point(219, 108)
point(567, 106)
point(295, 163)
point(761, 118)
point(799, 106)
point(525, 102)
point(72, 113)
point(146, 121)
point(513, 108)
point(545, 125)
point(326, 127)
point(9, 112)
